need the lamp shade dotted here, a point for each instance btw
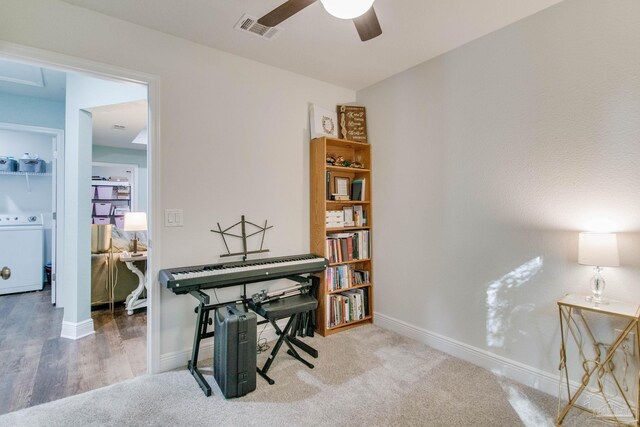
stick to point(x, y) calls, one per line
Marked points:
point(135, 221)
point(347, 9)
point(598, 249)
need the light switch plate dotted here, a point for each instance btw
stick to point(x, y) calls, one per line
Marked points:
point(173, 218)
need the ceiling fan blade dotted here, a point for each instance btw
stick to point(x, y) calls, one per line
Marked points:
point(284, 11)
point(367, 25)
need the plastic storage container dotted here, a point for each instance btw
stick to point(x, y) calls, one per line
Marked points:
point(32, 165)
point(102, 208)
point(97, 220)
point(105, 192)
point(119, 220)
point(8, 165)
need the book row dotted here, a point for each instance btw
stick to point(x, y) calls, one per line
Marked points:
point(345, 276)
point(344, 247)
point(347, 306)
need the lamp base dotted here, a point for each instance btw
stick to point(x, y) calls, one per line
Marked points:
point(596, 301)
point(597, 287)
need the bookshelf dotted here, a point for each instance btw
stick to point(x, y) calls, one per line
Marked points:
point(345, 296)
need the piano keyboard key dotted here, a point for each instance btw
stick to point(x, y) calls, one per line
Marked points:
point(228, 269)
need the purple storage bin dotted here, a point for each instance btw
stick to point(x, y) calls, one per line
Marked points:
point(102, 208)
point(101, 220)
point(105, 192)
point(119, 221)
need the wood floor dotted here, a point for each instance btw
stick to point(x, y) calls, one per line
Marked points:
point(37, 366)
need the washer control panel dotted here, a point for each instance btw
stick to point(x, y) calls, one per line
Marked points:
point(20, 219)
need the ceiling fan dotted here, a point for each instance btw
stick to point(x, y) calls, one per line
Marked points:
point(361, 11)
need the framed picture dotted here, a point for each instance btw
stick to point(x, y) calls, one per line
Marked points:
point(341, 185)
point(322, 122)
point(348, 216)
point(352, 121)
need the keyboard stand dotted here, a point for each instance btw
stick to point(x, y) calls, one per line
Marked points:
point(294, 308)
point(204, 319)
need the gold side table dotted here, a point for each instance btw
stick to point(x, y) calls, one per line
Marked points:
point(597, 365)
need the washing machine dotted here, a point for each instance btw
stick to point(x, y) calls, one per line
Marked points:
point(21, 253)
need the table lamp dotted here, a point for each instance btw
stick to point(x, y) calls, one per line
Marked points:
point(135, 221)
point(598, 250)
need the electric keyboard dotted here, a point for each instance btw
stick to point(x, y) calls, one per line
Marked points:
point(183, 280)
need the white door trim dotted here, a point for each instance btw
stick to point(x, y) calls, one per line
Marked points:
point(57, 183)
point(66, 63)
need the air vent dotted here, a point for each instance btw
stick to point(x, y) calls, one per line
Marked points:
point(249, 24)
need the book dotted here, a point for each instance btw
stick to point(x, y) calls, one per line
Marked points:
point(356, 189)
point(366, 301)
point(349, 248)
point(328, 190)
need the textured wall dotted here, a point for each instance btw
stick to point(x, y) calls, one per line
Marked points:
point(488, 161)
point(233, 135)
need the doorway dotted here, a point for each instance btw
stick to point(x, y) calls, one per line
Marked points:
point(37, 194)
point(70, 348)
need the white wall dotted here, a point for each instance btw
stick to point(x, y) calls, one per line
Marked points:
point(233, 140)
point(488, 161)
point(15, 195)
point(27, 110)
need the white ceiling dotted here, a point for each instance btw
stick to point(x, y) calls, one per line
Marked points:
point(318, 45)
point(131, 115)
point(28, 80)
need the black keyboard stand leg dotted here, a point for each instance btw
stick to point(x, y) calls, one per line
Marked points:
point(265, 376)
point(304, 347)
point(201, 331)
point(291, 352)
point(301, 345)
point(276, 348)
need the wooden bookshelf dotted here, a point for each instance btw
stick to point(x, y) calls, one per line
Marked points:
point(350, 150)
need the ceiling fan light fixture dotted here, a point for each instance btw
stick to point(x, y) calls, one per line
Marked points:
point(347, 9)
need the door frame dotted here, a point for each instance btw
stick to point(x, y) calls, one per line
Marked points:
point(57, 190)
point(70, 64)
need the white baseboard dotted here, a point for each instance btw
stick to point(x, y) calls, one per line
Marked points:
point(179, 359)
point(75, 331)
point(499, 365)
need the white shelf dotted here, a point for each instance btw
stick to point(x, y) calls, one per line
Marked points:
point(111, 183)
point(25, 173)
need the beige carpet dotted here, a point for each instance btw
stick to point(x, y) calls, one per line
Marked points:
point(367, 377)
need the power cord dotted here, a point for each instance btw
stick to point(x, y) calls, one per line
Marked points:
point(262, 342)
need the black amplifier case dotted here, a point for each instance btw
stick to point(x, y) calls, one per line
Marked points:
point(234, 351)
